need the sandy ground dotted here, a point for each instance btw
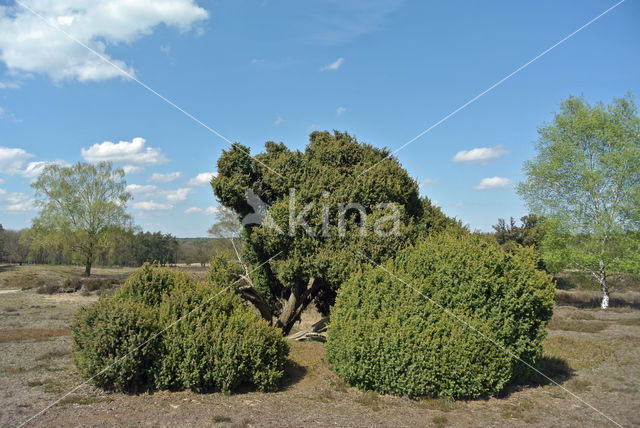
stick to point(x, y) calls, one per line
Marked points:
point(594, 354)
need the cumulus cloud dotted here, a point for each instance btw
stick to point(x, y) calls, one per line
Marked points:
point(13, 160)
point(33, 169)
point(213, 210)
point(151, 206)
point(479, 154)
point(494, 183)
point(202, 179)
point(132, 153)
point(132, 169)
point(15, 202)
point(140, 188)
point(164, 178)
point(30, 45)
point(340, 110)
point(333, 66)
point(192, 210)
point(178, 195)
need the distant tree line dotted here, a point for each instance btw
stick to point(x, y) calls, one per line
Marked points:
point(126, 248)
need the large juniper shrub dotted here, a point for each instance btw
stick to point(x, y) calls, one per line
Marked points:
point(447, 317)
point(210, 340)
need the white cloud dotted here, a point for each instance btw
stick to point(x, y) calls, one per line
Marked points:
point(8, 116)
point(1, 181)
point(192, 210)
point(479, 154)
point(29, 45)
point(333, 66)
point(15, 202)
point(213, 210)
point(340, 110)
point(33, 169)
point(132, 169)
point(427, 181)
point(178, 195)
point(132, 153)
point(494, 183)
point(202, 179)
point(7, 84)
point(13, 160)
point(279, 120)
point(140, 188)
point(164, 178)
point(151, 206)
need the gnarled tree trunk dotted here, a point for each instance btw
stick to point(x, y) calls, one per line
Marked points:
point(298, 300)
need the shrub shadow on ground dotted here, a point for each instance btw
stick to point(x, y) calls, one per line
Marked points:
point(293, 373)
point(555, 371)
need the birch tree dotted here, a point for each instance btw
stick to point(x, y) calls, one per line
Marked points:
point(585, 179)
point(81, 206)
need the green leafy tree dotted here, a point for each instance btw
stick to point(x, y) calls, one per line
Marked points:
point(80, 206)
point(510, 235)
point(585, 179)
point(302, 215)
point(155, 248)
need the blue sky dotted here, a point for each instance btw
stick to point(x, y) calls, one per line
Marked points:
point(256, 71)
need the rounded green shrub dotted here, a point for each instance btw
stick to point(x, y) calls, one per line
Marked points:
point(195, 335)
point(150, 284)
point(106, 339)
point(449, 316)
point(221, 345)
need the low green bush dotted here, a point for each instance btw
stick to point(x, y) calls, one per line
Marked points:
point(211, 340)
point(221, 345)
point(106, 335)
point(150, 284)
point(436, 321)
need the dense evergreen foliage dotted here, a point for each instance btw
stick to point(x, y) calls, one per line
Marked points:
point(210, 340)
point(314, 259)
point(434, 321)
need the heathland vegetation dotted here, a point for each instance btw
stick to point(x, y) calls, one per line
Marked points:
point(417, 304)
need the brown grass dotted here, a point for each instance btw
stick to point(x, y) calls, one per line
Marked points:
point(369, 399)
point(439, 421)
point(7, 335)
point(578, 353)
point(577, 325)
point(592, 299)
point(82, 401)
point(600, 365)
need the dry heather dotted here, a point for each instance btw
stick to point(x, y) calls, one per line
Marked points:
point(594, 354)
